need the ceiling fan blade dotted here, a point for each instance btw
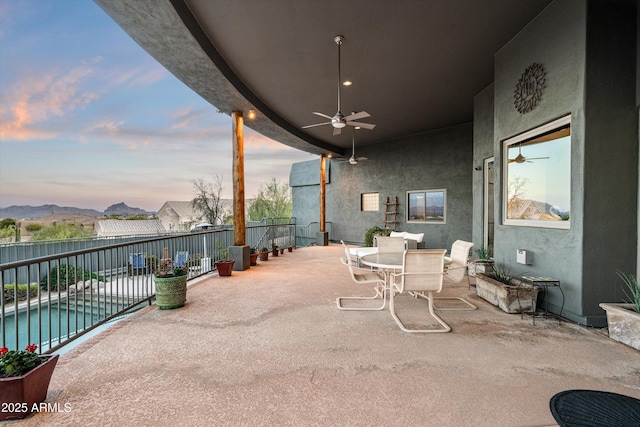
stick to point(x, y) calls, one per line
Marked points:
point(536, 158)
point(336, 131)
point(317, 124)
point(356, 116)
point(322, 115)
point(362, 125)
point(362, 158)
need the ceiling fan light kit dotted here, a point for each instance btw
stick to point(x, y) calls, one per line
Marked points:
point(339, 121)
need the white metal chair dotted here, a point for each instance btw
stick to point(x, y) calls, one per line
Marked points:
point(387, 244)
point(422, 271)
point(362, 276)
point(457, 271)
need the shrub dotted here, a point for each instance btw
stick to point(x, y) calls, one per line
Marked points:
point(374, 231)
point(24, 292)
point(67, 275)
point(33, 227)
point(61, 231)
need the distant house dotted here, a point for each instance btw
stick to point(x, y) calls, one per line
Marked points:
point(179, 216)
point(116, 227)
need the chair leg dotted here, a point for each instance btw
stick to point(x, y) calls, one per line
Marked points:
point(446, 328)
point(379, 292)
point(470, 307)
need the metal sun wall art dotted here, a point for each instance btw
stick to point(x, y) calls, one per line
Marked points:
point(529, 88)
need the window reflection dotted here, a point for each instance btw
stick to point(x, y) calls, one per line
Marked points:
point(538, 177)
point(426, 206)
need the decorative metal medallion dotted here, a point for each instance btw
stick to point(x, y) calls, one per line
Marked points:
point(529, 88)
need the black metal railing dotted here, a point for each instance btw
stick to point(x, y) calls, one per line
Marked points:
point(52, 300)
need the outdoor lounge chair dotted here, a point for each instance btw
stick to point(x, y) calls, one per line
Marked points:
point(362, 276)
point(423, 272)
point(137, 262)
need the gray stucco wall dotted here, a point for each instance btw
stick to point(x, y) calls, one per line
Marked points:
point(582, 80)
point(434, 160)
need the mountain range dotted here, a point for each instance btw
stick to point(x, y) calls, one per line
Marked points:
point(22, 212)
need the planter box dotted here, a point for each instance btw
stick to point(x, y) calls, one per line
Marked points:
point(624, 323)
point(509, 298)
point(480, 266)
point(18, 395)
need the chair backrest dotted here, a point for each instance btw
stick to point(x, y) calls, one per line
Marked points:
point(387, 244)
point(181, 258)
point(347, 258)
point(423, 270)
point(460, 258)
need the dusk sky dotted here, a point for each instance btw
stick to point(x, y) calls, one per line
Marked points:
point(89, 119)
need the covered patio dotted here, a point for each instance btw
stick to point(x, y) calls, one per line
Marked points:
point(267, 346)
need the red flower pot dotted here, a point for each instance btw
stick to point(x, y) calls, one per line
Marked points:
point(224, 267)
point(18, 395)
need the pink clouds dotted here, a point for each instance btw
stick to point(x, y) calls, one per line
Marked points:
point(34, 99)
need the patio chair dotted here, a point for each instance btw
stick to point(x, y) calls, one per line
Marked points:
point(456, 272)
point(137, 262)
point(387, 244)
point(181, 258)
point(362, 276)
point(423, 272)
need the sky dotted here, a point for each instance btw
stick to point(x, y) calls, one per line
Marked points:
point(89, 119)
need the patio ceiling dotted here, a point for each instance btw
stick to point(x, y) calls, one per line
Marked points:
point(415, 65)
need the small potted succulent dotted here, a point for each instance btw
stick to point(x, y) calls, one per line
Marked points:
point(264, 254)
point(171, 284)
point(24, 381)
point(224, 265)
point(274, 249)
point(253, 256)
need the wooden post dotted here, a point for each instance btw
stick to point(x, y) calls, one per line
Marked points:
point(323, 176)
point(238, 179)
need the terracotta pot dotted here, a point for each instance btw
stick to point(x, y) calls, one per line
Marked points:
point(290, 249)
point(274, 252)
point(264, 256)
point(281, 251)
point(18, 395)
point(253, 258)
point(224, 268)
point(171, 292)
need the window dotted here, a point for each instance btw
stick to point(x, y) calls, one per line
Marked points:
point(369, 202)
point(427, 206)
point(537, 177)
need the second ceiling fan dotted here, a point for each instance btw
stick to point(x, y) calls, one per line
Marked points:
point(338, 121)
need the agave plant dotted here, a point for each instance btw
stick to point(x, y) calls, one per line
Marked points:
point(631, 282)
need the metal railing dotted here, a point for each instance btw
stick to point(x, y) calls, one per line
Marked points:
point(307, 235)
point(52, 300)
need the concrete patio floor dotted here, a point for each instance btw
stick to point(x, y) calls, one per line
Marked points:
point(268, 346)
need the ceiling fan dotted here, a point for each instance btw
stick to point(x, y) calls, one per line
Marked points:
point(339, 120)
point(353, 160)
point(522, 159)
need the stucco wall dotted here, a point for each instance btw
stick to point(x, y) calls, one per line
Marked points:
point(575, 41)
point(439, 159)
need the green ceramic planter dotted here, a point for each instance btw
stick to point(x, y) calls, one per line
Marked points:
point(171, 292)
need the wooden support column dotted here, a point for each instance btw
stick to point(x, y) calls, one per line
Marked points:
point(238, 179)
point(239, 252)
point(322, 238)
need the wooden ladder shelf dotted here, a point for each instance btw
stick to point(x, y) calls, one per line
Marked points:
point(390, 214)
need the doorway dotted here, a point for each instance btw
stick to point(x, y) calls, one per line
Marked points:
point(488, 211)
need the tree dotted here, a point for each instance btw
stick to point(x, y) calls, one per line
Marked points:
point(207, 199)
point(61, 231)
point(517, 193)
point(274, 201)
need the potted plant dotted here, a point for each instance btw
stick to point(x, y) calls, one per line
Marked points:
point(482, 264)
point(264, 254)
point(274, 249)
point(171, 284)
point(290, 248)
point(224, 265)
point(253, 256)
point(374, 231)
point(281, 251)
point(623, 319)
point(501, 289)
point(24, 381)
